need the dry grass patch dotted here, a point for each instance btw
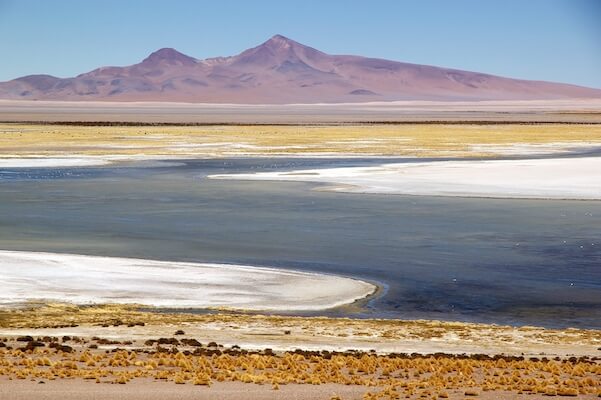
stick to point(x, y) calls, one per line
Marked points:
point(383, 376)
point(288, 328)
point(420, 140)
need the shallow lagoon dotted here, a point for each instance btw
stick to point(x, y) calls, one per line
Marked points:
point(521, 262)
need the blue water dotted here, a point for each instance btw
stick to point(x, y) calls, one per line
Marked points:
point(520, 262)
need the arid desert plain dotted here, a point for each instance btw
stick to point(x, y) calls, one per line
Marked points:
point(350, 251)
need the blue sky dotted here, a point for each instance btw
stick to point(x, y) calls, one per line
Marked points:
point(556, 40)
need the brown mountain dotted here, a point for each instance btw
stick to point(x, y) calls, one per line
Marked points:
point(282, 71)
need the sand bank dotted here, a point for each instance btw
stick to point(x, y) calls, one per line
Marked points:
point(86, 279)
point(557, 178)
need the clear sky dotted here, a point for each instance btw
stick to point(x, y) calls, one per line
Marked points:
point(555, 40)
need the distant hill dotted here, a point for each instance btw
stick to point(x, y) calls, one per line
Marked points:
point(282, 71)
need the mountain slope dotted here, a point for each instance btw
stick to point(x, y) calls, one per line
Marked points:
point(282, 71)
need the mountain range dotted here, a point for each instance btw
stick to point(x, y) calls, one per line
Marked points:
point(282, 71)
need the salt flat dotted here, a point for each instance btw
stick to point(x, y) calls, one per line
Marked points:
point(568, 110)
point(71, 161)
point(86, 279)
point(52, 162)
point(554, 178)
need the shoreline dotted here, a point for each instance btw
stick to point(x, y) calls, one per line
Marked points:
point(546, 178)
point(480, 152)
point(91, 280)
point(115, 350)
point(14, 161)
point(255, 331)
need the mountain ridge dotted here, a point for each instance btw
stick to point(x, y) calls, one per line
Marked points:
point(282, 71)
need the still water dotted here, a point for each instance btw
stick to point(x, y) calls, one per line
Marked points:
point(522, 262)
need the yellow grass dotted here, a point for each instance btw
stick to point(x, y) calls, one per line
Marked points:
point(421, 140)
point(382, 377)
point(385, 376)
point(382, 330)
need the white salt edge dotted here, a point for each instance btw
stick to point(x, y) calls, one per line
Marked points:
point(26, 276)
point(551, 178)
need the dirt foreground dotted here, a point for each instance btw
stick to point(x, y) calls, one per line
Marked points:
point(120, 352)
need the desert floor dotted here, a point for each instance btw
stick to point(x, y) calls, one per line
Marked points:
point(151, 390)
point(124, 350)
point(574, 110)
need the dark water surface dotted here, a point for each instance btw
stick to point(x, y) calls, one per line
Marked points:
point(506, 261)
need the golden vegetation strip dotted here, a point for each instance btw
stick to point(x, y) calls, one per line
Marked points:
point(36, 316)
point(393, 376)
point(417, 140)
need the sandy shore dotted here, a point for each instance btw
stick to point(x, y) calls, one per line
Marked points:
point(117, 352)
point(559, 178)
point(284, 333)
point(86, 279)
